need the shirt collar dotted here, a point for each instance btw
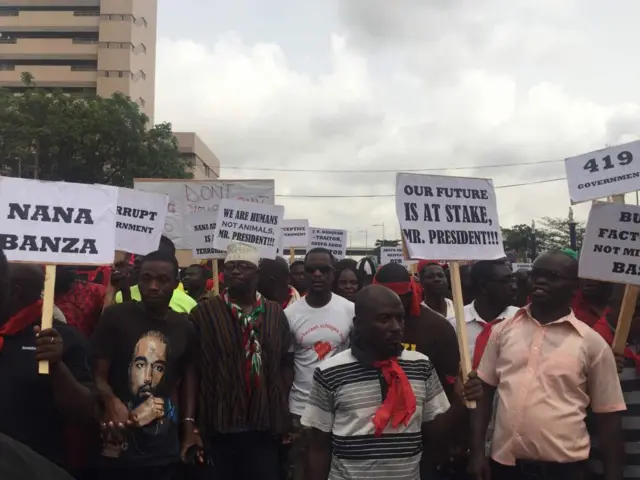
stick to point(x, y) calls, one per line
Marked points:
point(471, 314)
point(579, 326)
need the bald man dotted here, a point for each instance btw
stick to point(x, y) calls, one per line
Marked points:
point(360, 427)
point(35, 408)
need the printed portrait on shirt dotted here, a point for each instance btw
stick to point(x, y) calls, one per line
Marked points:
point(146, 374)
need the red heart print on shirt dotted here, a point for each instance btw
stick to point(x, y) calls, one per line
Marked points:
point(322, 349)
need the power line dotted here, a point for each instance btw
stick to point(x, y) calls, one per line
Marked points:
point(393, 195)
point(395, 170)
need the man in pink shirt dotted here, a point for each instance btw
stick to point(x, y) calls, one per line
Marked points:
point(547, 367)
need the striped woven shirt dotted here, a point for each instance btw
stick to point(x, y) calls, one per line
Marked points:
point(630, 383)
point(225, 405)
point(345, 395)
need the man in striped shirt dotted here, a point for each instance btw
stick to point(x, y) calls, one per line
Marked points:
point(370, 405)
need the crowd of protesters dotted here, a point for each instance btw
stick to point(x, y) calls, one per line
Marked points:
point(315, 370)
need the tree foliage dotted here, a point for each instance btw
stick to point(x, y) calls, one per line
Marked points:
point(54, 136)
point(551, 233)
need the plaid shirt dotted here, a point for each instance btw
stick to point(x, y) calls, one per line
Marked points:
point(82, 305)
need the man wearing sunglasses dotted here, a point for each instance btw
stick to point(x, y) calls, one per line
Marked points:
point(547, 367)
point(321, 323)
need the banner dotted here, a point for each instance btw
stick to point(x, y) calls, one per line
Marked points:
point(333, 240)
point(251, 223)
point(610, 248)
point(139, 220)
point(57, 222)
point(201, 227)
point(450, 218)
point(190, 196)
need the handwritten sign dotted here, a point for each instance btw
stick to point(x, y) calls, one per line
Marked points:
point(190, 196)
point(201, 228)
point(521, 266)
point(610, 249)
point(139, 220)
point(603, 173)
point(450, 218)
point(394, 255)
point(251, 223)
point(57, 222)
point(331, 239)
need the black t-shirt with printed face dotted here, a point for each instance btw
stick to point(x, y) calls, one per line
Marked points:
point(147, 358)
point(27, 408)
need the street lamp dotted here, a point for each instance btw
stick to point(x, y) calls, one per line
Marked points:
point(381, 225)
point(366, 241)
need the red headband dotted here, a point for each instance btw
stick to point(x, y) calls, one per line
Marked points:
point(403, 288)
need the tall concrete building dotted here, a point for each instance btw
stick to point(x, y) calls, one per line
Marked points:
point(79, 46)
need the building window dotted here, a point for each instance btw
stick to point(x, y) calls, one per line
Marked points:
point(8, 40)
point(9, 12)
point(87, 13)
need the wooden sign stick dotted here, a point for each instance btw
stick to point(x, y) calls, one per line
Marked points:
point(292, 255)
point(627, 309)
point(214, 274)
point(47, 309)
point(461, 324)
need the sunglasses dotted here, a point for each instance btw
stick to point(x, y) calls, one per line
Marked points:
point(311, 269)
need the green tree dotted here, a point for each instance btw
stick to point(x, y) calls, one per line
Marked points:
point(54, 136)
point(557, 230)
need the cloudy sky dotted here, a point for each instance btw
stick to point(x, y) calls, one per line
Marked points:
point(372, 85)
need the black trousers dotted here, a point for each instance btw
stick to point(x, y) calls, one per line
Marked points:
point(245, 456)
point(166, 472)
point(539, 471)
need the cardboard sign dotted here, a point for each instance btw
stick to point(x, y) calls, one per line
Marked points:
point(201, 228)
point(251, 223)
point(295, 233)
point(190, 196)
point(57, 222)
point(606, 172)
point(331, 239)
point(521, 266)
point(394, 255)
point(611, 245)
point(139, 220)
point(450, 218)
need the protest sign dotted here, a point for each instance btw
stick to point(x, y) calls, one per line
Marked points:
point(139, 220)
point(190, 196)
point(450, 218)
point(201, 227)
point(610, 250)
point(57, 222)
point(394, 255)
point(603, 173)
point(295, 233)
point(521, 266)
point(333, 240)
point(251, 223)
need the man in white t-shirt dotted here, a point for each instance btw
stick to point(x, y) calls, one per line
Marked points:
point(320, 323)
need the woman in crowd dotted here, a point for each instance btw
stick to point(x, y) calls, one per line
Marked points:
point(347, 280)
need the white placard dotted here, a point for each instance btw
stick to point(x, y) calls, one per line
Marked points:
point(394, 255)
point(201, 227)
point(611, 245)
point(251, 223)
point(139, 220)
point(57, 222)
point(521, 266)
point(190, 196)
point(331, 239)
point(451, 218)
point(606, 172)
point(295, 233)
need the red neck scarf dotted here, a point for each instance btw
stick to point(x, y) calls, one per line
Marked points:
point(21, 320)
point(585, 311)
point(604, 329)
point(400, 403)
point(481, 342)
point(402, 288)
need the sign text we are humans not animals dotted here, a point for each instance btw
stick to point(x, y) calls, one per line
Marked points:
point(451, 218)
